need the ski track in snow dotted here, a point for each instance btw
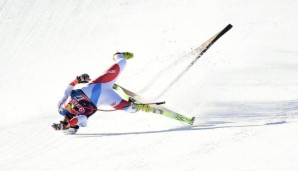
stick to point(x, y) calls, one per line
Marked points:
point(243, 90)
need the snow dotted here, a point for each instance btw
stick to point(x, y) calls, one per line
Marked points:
point(243, 90)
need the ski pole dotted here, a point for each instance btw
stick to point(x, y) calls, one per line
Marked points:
point(111, 110)
point(154, 103)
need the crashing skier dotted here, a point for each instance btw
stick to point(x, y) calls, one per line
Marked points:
point(77, 105)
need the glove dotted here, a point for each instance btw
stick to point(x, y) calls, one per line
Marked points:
point(127, 55)
point(84, 78)
point(60, 126)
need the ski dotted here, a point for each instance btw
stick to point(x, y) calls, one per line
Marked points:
point(198, 52)
point(173, 115)
point(157, 109)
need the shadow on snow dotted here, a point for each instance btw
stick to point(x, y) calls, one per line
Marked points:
point(229, 115)
point(189, 128)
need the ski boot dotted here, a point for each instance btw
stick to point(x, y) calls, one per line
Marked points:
point(127, 55)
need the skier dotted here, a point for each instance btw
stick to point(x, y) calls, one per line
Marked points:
point(77, 105)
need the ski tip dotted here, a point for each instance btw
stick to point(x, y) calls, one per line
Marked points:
point(228, 27)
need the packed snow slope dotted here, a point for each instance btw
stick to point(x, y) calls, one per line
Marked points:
point(243, 90)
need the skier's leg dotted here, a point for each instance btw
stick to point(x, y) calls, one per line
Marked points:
point(106, 81)
point(111, 98)
point(111, 75)
point(101, 92)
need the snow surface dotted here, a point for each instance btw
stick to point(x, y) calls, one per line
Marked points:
point(243, 91)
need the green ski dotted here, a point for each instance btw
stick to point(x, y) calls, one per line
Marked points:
point(127, 94)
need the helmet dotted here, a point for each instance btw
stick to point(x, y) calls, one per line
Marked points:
point(67, 107)
point(63, 111)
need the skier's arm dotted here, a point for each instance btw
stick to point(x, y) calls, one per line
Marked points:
point(84, 78)
point(67, 91)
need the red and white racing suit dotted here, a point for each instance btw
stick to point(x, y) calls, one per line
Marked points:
point(99, 92)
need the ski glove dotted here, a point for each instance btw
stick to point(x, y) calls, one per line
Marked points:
point(60, 126)
point(84, 78)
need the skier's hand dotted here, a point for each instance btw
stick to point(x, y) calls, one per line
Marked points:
point(84, 78)
point(60, 126)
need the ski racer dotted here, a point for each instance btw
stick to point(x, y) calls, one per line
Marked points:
point(77, 105)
